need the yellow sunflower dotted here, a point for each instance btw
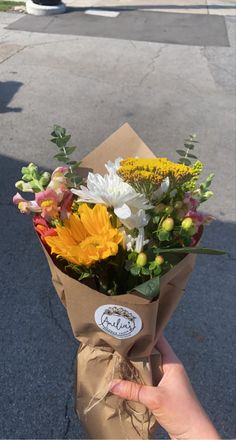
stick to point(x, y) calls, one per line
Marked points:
point(86, 237)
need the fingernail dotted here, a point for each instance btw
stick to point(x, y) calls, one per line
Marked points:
point(115, 386)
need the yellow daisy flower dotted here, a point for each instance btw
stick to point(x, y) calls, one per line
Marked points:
point(86, 236)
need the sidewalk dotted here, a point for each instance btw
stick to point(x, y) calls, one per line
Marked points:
point(215, 7)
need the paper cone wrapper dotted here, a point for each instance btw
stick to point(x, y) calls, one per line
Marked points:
point(118, 334)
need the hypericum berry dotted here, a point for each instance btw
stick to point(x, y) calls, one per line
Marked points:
point(159, 260)
point(169, 209)
point(141, 259)
point(168, 224)
point(159, 208)
point(178, 204)
point(187, 223)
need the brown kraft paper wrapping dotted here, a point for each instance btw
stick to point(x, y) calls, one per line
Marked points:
point(103, 357)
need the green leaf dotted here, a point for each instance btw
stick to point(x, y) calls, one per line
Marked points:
point(152, 265)
point(84, 275)
point(192, 156)
point(156, 219)
point(209, 179)
point(58, 131)
point(192, 250)
point(135, 270)
point(71, 162)
point(163, 235)
point(132, 256)
point(189, 146)
point(61, 142)
point(60, 156)
point(145, 271)
point(157, 271)
point(66, 138)
point(181, 152)
point(77, 179)
point(150, 289)
point(70, 150)
point(185, 161)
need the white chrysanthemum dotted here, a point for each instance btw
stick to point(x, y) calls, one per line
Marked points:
point(163, 188)
point(112, 191)
point(138, 219)
point(135, 243)
point(112, 167)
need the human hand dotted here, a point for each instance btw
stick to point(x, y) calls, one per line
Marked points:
point(173, 402)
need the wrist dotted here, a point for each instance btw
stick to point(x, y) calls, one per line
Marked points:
point(201, 429)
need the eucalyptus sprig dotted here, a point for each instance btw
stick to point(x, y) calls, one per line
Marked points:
point(186, 155)
point(61, 139)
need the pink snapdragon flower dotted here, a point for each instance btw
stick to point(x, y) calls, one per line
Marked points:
point(24, 205)
point(55, 201)
point(190, 202)
point(59, 182)
point(199, 218)
point(66, 204)
point(48, 202)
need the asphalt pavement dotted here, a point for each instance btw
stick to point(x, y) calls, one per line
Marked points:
point(92, 86)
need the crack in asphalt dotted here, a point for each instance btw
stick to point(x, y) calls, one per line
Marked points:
point(13, 54)
point(57, 323)
point(69, 397)
point(151, 65)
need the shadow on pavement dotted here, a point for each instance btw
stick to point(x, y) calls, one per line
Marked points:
point(38, 349)
point(162, 27)
point(7, 91)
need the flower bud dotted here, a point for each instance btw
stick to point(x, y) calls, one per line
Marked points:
point(187, 223)
point(208, 194)
point(19, 184)
point(44, 179)
point(159, 260)
point(159, 208)
point(32, 167)
point(23, 186)
point(169, 209)
point(141, 259)
point(178, 204)
point(168, 224)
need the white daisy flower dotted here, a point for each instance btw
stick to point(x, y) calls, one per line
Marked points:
point(112, 191)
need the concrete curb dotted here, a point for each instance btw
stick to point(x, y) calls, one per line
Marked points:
point(34, 9)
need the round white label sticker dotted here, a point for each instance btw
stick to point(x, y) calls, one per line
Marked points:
point(119, 322)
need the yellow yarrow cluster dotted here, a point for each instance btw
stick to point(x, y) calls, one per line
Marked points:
point(135, 170)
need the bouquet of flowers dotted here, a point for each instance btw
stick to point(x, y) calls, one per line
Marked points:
point(121, 245)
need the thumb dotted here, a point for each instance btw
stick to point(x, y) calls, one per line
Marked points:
point(147, 395)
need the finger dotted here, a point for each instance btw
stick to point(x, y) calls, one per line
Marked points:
point(127, 390)
point(168, 354)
